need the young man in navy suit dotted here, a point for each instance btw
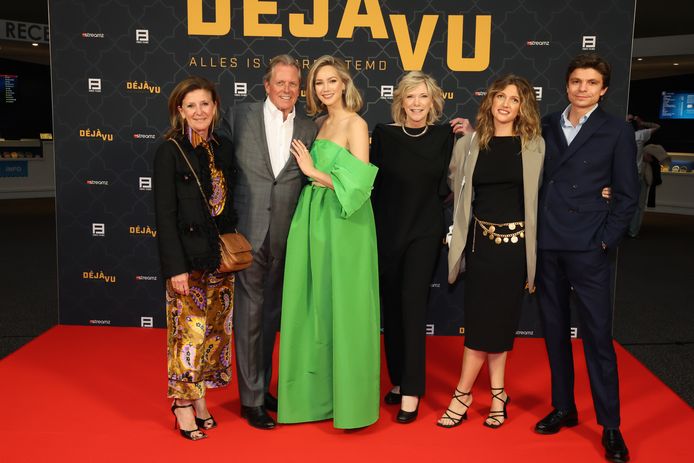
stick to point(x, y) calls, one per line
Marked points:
point(586, 150)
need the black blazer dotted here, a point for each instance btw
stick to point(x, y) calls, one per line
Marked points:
point(186, 232)
point(572, 214)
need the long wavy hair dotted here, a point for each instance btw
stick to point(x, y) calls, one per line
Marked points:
point(408, 82)
point(350, 98)
point(184, 87)
point(527, 123)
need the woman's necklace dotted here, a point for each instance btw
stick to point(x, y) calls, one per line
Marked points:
point(426, 127)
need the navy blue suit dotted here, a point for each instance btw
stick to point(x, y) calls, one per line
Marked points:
point(573, 223)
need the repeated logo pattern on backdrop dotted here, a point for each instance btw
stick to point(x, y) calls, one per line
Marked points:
point(115, 62)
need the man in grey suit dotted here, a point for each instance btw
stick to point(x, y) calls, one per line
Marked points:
point(265, 191)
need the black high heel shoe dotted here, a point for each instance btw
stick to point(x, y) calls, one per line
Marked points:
point(496, 415)
point(205, 423)
point(455, 417)
point(408, 417)
point(187, 434)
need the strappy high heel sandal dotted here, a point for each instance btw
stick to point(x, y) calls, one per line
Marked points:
point(502, 413)
point(455, 417)
point(187, 434)
point(206, 423)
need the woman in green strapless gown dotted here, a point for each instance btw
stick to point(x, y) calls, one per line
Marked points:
point(330, 334)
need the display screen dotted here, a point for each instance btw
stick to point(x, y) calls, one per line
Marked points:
point(677, 105)
point(8, 88)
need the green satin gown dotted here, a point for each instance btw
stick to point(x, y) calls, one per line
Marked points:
point(330, 335)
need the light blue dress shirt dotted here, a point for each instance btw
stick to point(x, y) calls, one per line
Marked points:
point(569, 130)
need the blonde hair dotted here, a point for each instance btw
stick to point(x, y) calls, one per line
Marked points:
point(350, 98)
point(405, 85)
point(527, 123)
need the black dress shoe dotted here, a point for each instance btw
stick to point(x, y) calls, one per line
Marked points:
point(270, 402)
point(615, 448)
point(407, 417)
point(557, 419)
point(392, 398)
point(257, 417)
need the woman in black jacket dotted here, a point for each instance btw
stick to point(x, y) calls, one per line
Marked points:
point(193, 206)
point(412, 155)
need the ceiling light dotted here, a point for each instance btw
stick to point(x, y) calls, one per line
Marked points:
point(675, 64)
point(34, 44)
point(639, 59)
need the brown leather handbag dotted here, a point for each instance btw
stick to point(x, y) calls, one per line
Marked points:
point(236, 251)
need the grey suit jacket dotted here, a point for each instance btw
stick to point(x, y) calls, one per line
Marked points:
point(263, 203)
point(461, 169)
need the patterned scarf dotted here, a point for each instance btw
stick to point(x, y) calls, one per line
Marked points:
point(219, 185)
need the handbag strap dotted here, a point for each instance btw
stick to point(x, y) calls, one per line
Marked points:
point(197, 180)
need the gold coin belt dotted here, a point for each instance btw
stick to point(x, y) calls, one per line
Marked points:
point(489, 229)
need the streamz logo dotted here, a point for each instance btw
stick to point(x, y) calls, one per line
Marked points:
point(538, 93)
point(480, 93)
point(94, 85)
point(97, 182)
point(141, 35)
point(589, 42)
point(147, 322)
point(387, 92)
point(240, 89)
point(144, 136)
point(92, 35)
point(537, 43)
point(145, 183)
point(98, 229)
point(99, 322)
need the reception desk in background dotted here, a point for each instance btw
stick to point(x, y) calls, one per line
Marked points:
point(676, 194)
point(27, 169)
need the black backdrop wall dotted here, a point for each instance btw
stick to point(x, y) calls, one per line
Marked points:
point(114, 63)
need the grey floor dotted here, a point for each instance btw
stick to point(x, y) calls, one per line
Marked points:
point(654, 316)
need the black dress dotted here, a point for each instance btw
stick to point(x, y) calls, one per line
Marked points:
point(495, 273)
point(407, 202)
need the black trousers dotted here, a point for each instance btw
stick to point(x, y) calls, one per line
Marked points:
point(588, 272)
point(405, 278)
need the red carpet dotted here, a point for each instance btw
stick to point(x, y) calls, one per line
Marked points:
point(98, 394)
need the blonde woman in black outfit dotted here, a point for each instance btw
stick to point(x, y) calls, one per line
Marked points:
point(412, 155)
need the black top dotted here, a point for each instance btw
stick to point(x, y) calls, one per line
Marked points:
point(186, 232)
point(411, 182)
point(498, 182)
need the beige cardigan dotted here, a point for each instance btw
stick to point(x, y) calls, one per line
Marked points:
point(462, 167)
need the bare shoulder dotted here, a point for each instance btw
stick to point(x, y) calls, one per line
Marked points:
point(356, 127)
point(356, 122)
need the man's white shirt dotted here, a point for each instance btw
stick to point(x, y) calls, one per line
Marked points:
point(278, 133)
